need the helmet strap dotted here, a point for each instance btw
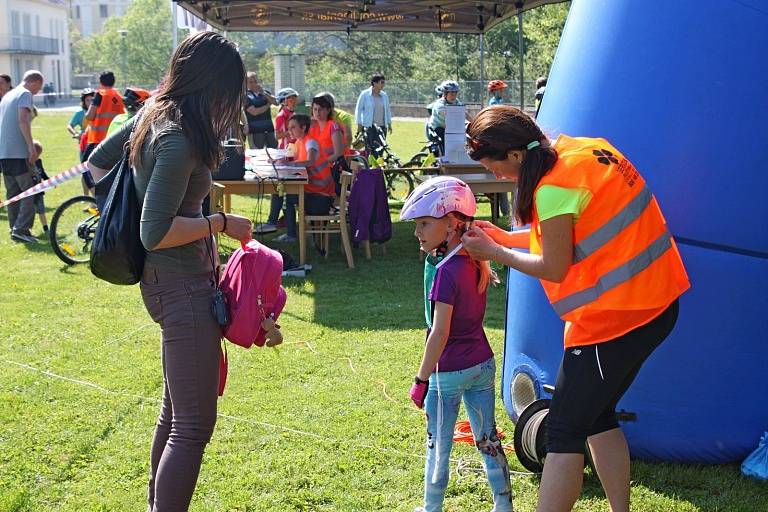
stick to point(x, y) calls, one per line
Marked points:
point(441, 249)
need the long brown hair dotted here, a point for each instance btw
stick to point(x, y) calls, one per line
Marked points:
point(499, 129)
point(203, 93)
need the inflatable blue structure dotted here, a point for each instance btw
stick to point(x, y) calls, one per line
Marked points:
point(680, 88)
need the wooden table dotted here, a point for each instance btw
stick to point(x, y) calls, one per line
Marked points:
point(224, 189)
point(485, 183)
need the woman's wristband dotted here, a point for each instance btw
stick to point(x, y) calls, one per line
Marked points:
point(223, 216)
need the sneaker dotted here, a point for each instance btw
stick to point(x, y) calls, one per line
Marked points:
point(23, 237)
point(262, 229)
point(285, 237)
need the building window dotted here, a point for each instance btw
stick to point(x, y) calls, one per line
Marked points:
point(103, 10)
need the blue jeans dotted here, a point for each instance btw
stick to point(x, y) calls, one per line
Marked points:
point(275, 205)
point(475, 386)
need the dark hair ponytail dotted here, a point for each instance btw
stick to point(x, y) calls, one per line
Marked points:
point(499, 129)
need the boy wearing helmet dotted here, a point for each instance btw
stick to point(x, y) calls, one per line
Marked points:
point(133, 100)
point(496, 90)
point(458, 362)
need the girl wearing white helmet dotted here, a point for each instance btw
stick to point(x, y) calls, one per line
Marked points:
point(458, 362)
point(287, 99)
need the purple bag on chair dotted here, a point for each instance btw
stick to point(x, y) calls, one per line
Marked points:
point(369, 207)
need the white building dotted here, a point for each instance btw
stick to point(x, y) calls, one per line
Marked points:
point(34, 35)
point(89, 15)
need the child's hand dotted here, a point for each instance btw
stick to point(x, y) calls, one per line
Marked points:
point(419, 392)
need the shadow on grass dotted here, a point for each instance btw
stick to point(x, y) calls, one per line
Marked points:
point(385, 292)
point(708, 488)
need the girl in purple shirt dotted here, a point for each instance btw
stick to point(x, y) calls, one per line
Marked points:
point(458, 362)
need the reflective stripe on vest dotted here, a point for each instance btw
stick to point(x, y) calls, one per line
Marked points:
point(111, 105)
point(615, 277)
point(625, 262)
point(613, 227)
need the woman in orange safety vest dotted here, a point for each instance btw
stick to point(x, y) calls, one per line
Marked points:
point(600, 246)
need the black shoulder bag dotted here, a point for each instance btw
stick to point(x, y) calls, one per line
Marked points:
point(117, 254)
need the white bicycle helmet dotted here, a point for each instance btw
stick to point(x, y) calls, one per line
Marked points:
point(285, 93)
point(437, 197)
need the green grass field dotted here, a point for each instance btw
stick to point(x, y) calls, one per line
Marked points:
point(323, 423)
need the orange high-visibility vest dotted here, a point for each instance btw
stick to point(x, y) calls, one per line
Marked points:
point(111, 105)
point(320, 178)
point(626, 268)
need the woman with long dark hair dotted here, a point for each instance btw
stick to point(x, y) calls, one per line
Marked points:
point(601, 249)
point(175, 142)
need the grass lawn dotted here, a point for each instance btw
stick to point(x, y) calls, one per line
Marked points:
point(322, 423)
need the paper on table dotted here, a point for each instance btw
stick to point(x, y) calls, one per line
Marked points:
point(455, 151)
point(455, 115)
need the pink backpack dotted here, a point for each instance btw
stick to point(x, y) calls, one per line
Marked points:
point(252, 286)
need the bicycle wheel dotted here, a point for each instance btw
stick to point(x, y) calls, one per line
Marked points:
point(399, 185)
point(416, 160)
point(73, 227)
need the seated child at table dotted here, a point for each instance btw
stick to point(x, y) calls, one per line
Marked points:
point(306, 153)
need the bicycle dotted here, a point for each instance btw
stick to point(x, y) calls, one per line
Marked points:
point(73, 227)
point(432, 150)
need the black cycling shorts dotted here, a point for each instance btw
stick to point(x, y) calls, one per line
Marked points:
point(593, 378)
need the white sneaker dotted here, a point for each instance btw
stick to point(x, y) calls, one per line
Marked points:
point(265, 228)
point(285, 237)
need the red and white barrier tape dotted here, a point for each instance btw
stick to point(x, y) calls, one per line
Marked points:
point(57, 180)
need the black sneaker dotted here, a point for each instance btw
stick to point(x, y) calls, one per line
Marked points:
point(24, 238)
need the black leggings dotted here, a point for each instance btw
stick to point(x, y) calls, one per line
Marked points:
point(593, 378)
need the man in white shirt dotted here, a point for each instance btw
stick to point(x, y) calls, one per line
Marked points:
point(373, 110)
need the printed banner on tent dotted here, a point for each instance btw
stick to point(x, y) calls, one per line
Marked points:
point(57, 180)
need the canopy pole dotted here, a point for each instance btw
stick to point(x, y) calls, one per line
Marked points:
point(174, 26)
point(482, 59)
point(520, 49)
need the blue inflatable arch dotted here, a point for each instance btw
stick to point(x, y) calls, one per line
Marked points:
point(680, 88)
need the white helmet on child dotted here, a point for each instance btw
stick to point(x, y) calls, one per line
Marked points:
point(437, 197)
point(285, 93)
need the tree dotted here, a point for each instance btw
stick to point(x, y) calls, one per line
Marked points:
point(136, 46)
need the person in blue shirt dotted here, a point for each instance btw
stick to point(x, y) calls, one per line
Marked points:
point(372, 107)
point(496, 91)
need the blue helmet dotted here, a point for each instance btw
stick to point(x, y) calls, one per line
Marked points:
point(285, 93)
point(449, 86)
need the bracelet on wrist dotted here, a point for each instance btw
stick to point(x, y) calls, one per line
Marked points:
point(223, 216)
point(417, 380)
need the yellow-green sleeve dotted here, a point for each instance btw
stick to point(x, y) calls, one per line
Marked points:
point(552, 201)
